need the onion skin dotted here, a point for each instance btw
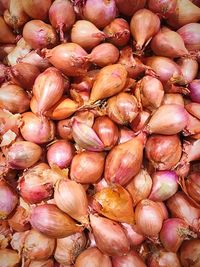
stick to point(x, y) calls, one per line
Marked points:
point(34, 186)
point(6, 35)
point(169, 44)
point(193, 185)
point(14, 98)
point(140, 186)
point(179, 231)
point(164, 258)
point(194, 109)
point(122, 108)
point(114, 203)
point(69, 195)
point(38, 246)
point(189, 68)
point(164, 122)
point(69, 58)
point(176, 99)
point(133, 234)
point(189, 253)
point(109, 236)
point(181, 207)
point(37, 129)
point(39, 34)
point(128, 8)
point(5, 49)
point(86, 34)
point(61, 154)
point(194, 88)
point(190, 34)
point(140, 29)
point(69, 248)
point(87, 162)
point(63, 129)
point(163, 8)
point(186, 12)
point(36, 9)
point(125, 134)
point(19, 221)
point(124, 161)
point(48, 89)
point(52, 222)
point(130, 259)
point(92, 257)
point(44, 263)
point(140, 121)
point(118, 32)
point(110, 81)
point(23, 154)
point(62, 16)
point(148, 218)
point(8, 200)
point(164, 152)
point(9, 258)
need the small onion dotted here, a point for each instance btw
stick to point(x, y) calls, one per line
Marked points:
point(189, 68)
point(52, 222)
point(130, 259)
point(140, 121)
point(19, 221)
point(164, 258)
point(89, 163)
point(92, 257)
point(9, 258)
point(193, 186)
point(37, 129)
point(125, 134)
point(148, 218)
point(189, 253)
point(134, 235)
point(39, 34)
point(194, 88)
point(63, 129)
point(6, 35)
point(163, 8)
point(128, 8)
point(23, 154)
point(44, 263)
point(68, 248)
point(191, 36)
point(194, 109)
point(60, 153)
point(37, 9)
point(175, 98)
point(109, 236)
point(8, 199)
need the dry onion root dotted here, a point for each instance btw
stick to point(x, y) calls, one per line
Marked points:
point(99, 133)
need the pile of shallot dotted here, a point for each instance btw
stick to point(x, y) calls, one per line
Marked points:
point(99, 133)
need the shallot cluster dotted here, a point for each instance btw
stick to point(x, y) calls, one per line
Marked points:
point(99, 133)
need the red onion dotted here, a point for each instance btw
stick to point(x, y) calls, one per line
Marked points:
point(34, 186)
point(130, 259)
point(19, 222)
point(165, 185)
point(194, 109)
point(140, 186)
point(189, 68)
point(104, 54)
point(6, 35)
point(128, 8)
point(23, 154)
point(14, 98)
point(69, 248)
point(169, 44)
point(122, 108)
point(37, 9)
point(86, 34)
point(186, 12)
point(9, 258)
point(110, 81)
point(163, 120)
point(48, 89)
point(124, 161)
point(8, 199)
point(163, 8)
point(194, 88)
point(144, 25)
point(133, 234)
point(191, 36)
point(109, 236)
point(52, 222)
point(69, 58)
point(60, 153)
point(163, 151)
point(181, 207)
point(64, 129)
point(163, 258)
point(149, 92)
point(179, 231)
point(76, 196)
point(99, 12)
point(62, 16)
point(118, 32)
point(189, 253)
point(92, 257)
point(37, 129)
point(148, 218)
point(166, 69)
point(15, 16)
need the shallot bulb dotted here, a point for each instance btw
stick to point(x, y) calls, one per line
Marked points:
point(128, 8)
point(189, 68)
point(164, 8)
point(162, 257)
point(9, 258)
point(6, 35)
point(189, 252)
point(130, 259)
point(37, 9)
point(190, 34)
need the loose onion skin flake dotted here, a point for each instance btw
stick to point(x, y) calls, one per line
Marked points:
point(99, 133)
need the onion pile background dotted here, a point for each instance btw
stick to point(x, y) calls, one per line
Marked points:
point(99, 133)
